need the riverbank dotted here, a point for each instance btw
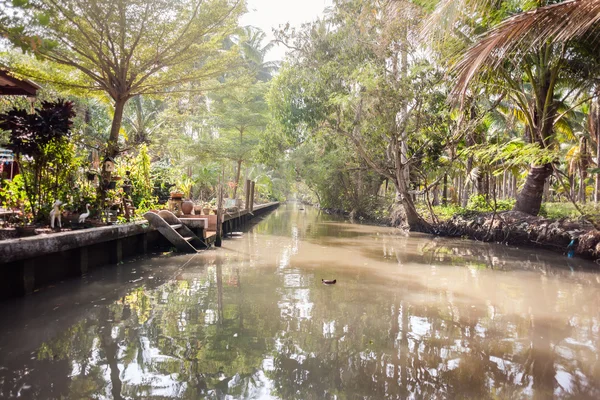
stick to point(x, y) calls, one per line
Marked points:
point(568, 236)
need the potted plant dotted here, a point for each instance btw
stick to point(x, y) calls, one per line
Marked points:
point(185, 185)
point(206, 208)
point(25, 230)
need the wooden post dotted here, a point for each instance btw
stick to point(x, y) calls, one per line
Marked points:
point(252, 196)
point(247, 193)
point(218, 239)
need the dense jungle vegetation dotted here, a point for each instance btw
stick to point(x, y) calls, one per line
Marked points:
point(406, 112)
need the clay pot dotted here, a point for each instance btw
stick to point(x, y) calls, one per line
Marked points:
point(187, 207)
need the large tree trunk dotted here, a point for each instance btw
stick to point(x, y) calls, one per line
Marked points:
point(594, 127)
point(597, 192)
point(529, 200)
point(583, 167)
point(405, 213)
point(113, 140)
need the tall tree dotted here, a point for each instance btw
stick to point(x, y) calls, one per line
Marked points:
point(532, 57)
point(125, 47)
point(352, 76)
point(240, 110)
point(241, 115)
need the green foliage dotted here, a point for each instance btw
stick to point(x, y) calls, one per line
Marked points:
point(123, 48)
point(335, 177)
point(142, 181)
point(45, 156)
point(139, 168)
point(12, 192)
point(556, 210)
point(512, 154)
point(162, 175)
point(479, 202)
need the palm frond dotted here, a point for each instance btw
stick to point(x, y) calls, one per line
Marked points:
point(558, 22)
point(448, 12)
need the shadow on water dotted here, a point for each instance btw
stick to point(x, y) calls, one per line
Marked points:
point(411, 316)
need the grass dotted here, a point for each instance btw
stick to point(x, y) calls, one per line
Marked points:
point(476, 204)
point(548, 210)
point(568, 210)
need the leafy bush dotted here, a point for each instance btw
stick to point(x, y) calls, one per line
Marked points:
point(43, 152)
point(478, 202)
point(12, 192)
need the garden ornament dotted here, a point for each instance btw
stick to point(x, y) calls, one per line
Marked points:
point(55, 213)
point(83, 216)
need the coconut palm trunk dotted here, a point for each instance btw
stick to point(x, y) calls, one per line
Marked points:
point(594, 127)
point(529, 199)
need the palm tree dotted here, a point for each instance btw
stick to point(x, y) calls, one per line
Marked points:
point(532, 53)
point(142, 119)
point(254, 53)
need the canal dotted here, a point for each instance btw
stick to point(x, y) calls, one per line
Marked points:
point(409, 317)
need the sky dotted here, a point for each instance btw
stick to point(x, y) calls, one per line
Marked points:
point(269, 14)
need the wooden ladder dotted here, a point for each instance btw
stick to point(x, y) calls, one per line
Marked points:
point(175, 231)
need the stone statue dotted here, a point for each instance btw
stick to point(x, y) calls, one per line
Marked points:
point(55, 213)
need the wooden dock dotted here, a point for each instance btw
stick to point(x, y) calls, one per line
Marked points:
point(205, 226)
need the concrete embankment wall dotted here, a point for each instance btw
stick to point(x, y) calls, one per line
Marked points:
point(29, 264)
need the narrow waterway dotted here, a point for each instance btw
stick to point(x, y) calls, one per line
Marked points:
point(409, 317)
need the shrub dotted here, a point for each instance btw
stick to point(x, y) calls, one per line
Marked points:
point(478, 202)
point(45, 156)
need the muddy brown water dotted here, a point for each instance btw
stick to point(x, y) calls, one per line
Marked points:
point(409, 317)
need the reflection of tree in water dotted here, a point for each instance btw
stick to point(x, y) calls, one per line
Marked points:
point(382, 346)
point(372, 344)
point(192, 336)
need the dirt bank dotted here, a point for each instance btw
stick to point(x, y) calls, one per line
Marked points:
point(571, 238)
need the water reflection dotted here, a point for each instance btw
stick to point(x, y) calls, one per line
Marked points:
point(410, 317)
